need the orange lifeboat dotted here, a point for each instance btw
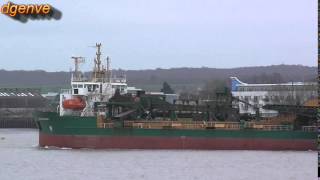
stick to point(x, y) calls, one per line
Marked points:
point(75, 103)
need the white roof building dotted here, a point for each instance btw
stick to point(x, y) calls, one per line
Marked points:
point(258, 95)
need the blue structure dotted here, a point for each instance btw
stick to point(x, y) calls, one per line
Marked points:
point(234, 83)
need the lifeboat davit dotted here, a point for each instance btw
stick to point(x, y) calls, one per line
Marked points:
point(75, 103)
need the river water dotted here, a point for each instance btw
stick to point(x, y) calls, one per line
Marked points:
point(20, 158)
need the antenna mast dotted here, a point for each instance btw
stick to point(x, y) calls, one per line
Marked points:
point(108, 69)
point(98, 58)
point(99, 71)
point(77, 61)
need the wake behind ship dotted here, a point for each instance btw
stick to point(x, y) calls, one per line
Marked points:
point(103, 112)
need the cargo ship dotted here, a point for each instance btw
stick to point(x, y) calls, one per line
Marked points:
point(102, 112)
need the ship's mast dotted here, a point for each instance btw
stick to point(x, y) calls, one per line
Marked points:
point(77, 61)
point(108, 70)
point(99, 71)
point(98, 58)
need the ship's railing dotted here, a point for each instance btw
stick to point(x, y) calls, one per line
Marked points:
point(107, 125)
point(223, 125)
point(181, 125)
point(205, 125)
point(309, 128)
point(278, 119)
point(65, 91)
point(79, 79)
point(273, 127)
point(119, 80)
point(268, 127)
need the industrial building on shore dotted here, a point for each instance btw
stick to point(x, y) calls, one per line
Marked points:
point(17, 106)
point(258, 95)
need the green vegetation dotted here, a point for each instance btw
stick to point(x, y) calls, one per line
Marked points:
point(166, 88)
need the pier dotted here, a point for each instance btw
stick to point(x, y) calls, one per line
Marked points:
point(17, 106)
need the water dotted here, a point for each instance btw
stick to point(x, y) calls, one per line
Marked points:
point(20, 158)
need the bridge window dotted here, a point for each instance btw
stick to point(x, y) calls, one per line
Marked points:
point(89, 87)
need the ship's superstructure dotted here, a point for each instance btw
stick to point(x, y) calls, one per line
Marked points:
point(79, 100)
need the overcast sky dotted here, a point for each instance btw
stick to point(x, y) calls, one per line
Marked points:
point(148, 34)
